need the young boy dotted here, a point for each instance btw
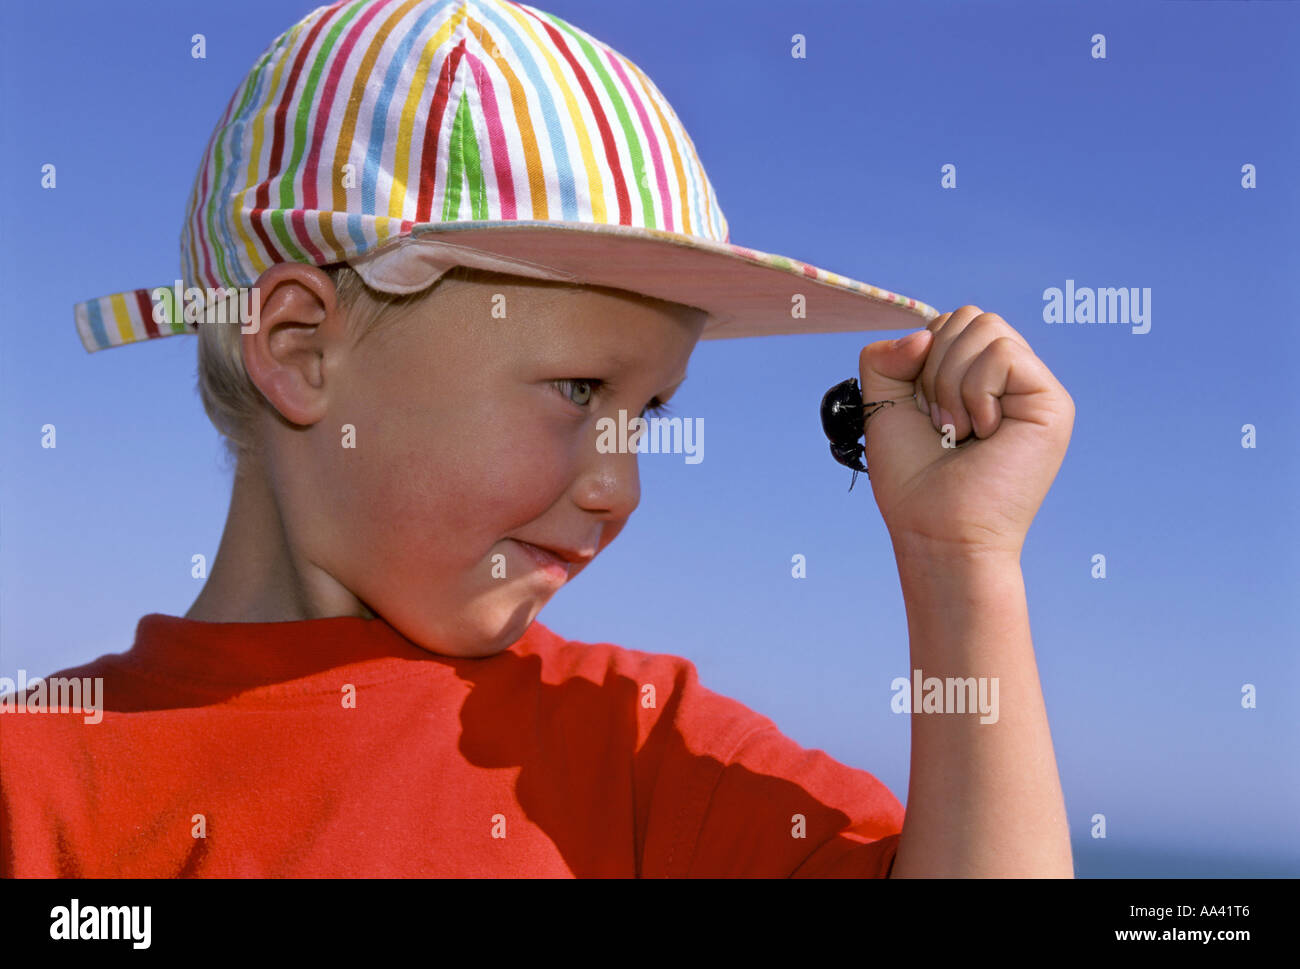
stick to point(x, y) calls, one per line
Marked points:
point(416, 406)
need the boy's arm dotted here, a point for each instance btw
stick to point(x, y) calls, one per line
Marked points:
point(984, 799)
point(967, 432)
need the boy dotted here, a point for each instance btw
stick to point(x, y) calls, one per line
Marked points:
point(415, 406)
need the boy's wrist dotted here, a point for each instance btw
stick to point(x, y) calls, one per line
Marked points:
point(921, 558)
point(962, 604)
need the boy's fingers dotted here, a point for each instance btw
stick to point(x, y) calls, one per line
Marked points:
point(946, 329)
point(950, 375)
point(1006, 380)
point(888, 368)
point(935, 325)
point(988, 327)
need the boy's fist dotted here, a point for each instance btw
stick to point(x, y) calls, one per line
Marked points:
point(968, 481)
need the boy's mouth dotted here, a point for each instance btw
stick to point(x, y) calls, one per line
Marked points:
point(564, 554)
point(550, 563)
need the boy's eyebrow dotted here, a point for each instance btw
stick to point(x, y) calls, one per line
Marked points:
point(618, 361)
point(627, 363)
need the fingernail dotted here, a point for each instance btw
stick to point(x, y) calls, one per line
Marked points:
point(909, 340)
point(946, 418)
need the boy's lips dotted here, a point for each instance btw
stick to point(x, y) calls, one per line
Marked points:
point(558, 564)
point(564, 554)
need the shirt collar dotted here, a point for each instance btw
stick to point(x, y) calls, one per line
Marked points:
point(246, 655)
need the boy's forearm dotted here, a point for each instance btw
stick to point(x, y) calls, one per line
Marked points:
point(984, 799)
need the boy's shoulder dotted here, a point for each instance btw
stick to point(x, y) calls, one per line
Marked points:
point(597, 658)
point(601, 661)
point(659, 685)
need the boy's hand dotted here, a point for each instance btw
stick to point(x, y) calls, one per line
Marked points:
point(1012, 420)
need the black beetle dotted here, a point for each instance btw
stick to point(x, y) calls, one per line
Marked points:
point(844, 418)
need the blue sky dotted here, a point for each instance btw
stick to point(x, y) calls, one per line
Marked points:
point(1117, 172)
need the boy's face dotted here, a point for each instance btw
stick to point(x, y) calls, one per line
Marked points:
point(474, 434)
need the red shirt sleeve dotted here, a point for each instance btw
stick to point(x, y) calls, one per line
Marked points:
point(727, 795)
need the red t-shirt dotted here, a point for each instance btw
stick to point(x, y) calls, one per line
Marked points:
point(338, 747)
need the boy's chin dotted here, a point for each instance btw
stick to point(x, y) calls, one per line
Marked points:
point(482, 633)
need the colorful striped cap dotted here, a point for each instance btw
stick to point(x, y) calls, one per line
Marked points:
point(409, 136)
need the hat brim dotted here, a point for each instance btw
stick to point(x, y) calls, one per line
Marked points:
point(745, 292)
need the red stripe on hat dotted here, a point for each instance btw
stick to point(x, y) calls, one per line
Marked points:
point(272, 253)
point(325, 102)
point(606, 134)
point(651, 138)
point(146, 311)
point(282, 107)
point(432, 126)
point(298, 220)
point(200, 229)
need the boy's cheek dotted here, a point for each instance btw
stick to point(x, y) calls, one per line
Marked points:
point(473, 490)
point(480, 474)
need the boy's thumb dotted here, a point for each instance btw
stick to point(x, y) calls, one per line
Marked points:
point(889, 367)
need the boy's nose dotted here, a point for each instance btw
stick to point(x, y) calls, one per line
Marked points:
point(609, 484)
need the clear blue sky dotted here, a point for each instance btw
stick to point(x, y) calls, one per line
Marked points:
point(1117, 172)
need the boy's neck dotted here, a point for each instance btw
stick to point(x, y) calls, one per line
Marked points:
point(256, 577)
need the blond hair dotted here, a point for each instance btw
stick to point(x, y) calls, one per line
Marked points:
point(232, 400)
point(230, 397)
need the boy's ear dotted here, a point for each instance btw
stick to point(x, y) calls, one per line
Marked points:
point(301, 332)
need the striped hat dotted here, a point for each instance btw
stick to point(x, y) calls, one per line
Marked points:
point(409, 136)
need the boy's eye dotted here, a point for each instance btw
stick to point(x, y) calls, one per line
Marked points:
point(579, 383)
point(593, 384)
